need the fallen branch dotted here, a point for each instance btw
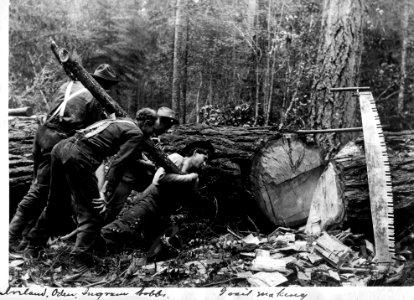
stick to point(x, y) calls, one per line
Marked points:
point(95, 283)
point(65, 237)
point(221, 282)
point(233, 233)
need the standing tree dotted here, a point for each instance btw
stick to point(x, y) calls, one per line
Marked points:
point(178, 56)
point(404, 42)
point(338, 63)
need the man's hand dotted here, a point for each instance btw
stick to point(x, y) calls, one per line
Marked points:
point(101, 203)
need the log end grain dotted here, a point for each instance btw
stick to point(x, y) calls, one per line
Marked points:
point(283, 177)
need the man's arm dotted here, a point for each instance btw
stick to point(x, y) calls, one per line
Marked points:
point(132, 141)
point(161, 177)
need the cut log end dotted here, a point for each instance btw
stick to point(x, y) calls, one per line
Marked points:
point(283, 178)
point(21, 111)
point(64, 55)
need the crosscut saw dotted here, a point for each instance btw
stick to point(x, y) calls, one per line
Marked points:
point(379, 177)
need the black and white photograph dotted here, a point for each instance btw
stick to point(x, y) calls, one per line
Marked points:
point(235, 149)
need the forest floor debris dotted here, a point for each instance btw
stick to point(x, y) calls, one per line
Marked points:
point(213, 255)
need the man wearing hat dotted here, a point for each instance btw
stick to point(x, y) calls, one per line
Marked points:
point(139, 175)
point(73, 165)
point(73, 107)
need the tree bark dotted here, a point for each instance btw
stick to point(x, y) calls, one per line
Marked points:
point(266, 85)
point(338, 62)
point(404, 40)
point(198, 99)
point(185, 70)
point(259, 51)
point(21, 135)
point(76, 71)
point(21, 111)
point(345, 198)
point(252, 163)
point(255, 171)
point(178, 56)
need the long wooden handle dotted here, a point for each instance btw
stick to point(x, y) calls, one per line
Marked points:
point(73, 67)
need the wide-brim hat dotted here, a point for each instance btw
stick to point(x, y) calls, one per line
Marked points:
point(105, 72)
point(165, 112)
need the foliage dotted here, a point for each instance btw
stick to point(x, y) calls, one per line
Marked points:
point(240, 115)
point(227, 48)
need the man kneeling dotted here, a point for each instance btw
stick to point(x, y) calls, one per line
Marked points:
point(161, 197)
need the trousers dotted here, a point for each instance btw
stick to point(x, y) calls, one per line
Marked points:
point(73, 185)
point(32, 204)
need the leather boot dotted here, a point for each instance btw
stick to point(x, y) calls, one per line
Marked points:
point(23, 244)
point(16, 227)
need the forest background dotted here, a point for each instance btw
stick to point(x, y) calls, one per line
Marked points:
point(235, 62)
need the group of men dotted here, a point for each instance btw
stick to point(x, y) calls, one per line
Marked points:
point(69, 148)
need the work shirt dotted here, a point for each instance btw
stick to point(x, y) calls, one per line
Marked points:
point(168, 189)
point(80, 111)
point(121, 138)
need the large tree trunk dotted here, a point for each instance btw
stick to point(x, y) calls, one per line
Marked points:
point(255, 171)
point(258, 172)
point(283, 177)
point(185, 70)
point(178, 56)
point(404, 42)
point(338, 62)
point(345, 196)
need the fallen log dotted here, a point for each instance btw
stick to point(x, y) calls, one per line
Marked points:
point(256, 168)
point(342, 196)
point(21, 111)
point(75, 70)
point(238, 171)
point(21, 135)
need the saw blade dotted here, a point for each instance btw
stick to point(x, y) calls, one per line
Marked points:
point(379, 180)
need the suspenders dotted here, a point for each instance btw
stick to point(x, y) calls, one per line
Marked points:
point(61, 108)
point(97, 127)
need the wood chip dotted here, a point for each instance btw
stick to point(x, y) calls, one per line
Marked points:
point(314, 258)
point(262, 253)
point(251, 239)
point(246, 275)
point(300, 246)
point(265, 279)
point(268, 264)
point(334, 275)
point(16, 263)
point(346, 276)
point(248, 254)
point(332, 250)
point(369, 246)
point(287, 238)
point(277, 255)
point(304, 276)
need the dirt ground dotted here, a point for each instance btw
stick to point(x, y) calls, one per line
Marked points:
point(205, 252)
